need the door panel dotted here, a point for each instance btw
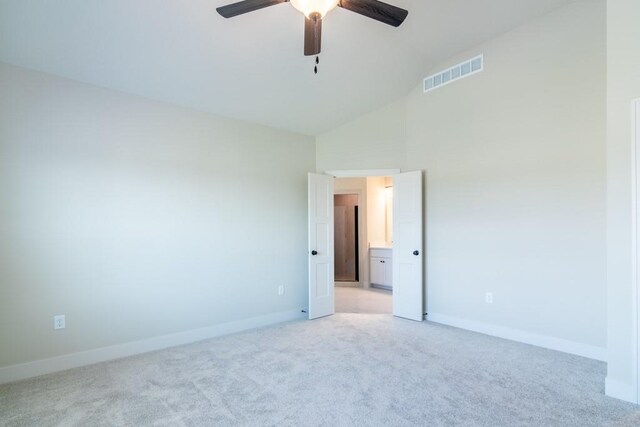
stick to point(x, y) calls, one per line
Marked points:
point(408, 287)
point(377, 271)
point(321, 257)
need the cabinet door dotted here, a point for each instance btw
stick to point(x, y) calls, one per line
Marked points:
point(388, 272)
point(377, 270)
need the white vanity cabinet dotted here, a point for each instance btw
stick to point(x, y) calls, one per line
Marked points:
point(380, 267)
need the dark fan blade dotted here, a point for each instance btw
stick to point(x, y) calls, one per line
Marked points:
point(246, 6)
point(312, 34)
point(377, 10)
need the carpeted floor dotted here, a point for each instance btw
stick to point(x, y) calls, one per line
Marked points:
point(349, 369)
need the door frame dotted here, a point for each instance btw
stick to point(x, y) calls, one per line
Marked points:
point(363, 280)
point(362, 173)
point(635, 234)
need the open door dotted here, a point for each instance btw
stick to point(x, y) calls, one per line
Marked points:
point(321, 286)
point(408, 289)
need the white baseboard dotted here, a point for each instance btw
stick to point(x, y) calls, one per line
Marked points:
point(558, 344)
point(621, 390)
point(89, 357)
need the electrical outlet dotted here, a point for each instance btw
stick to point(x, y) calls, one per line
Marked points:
point(281, 290)
point(488, 298)
point(59, 322)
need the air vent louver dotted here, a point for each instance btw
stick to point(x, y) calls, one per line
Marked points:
point(457, 72)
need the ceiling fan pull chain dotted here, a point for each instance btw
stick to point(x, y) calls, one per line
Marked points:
point(315, 69)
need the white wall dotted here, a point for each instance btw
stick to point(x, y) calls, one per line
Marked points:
point(623, 77)
point(374, 141)
point(137, 219)
point(515, 181)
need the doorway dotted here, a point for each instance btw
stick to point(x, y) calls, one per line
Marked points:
point(363, 232)
point(406, 273)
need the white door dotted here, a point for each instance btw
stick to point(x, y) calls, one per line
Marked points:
point(636, 223)
point(321, 286)
point(408, 289)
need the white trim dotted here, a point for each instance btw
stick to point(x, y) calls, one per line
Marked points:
point(620, 390)
point(89, 357)
point(635, 239)
point(364, 173)
point(558, 344)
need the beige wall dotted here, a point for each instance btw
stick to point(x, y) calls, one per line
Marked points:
point(137, 219)
point(350, 185)
point(375, 212)
point(515, 180)
point(623, 86)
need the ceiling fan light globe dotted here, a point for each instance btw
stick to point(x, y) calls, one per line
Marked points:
point(307, 7)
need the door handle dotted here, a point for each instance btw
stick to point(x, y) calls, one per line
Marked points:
point(314, 253)
point(416, 253)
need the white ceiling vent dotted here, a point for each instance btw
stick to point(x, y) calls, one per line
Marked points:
point(457, 72)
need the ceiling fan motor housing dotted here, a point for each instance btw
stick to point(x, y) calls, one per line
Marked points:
point(308, 7)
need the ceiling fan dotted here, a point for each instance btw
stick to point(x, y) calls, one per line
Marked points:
point(315, 10)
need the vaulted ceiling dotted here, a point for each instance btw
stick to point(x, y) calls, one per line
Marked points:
point(250, 67)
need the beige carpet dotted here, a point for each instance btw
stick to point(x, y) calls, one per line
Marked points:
point(358, 300)
point(345, 370)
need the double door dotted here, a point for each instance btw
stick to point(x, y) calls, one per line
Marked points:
point(407, 261)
